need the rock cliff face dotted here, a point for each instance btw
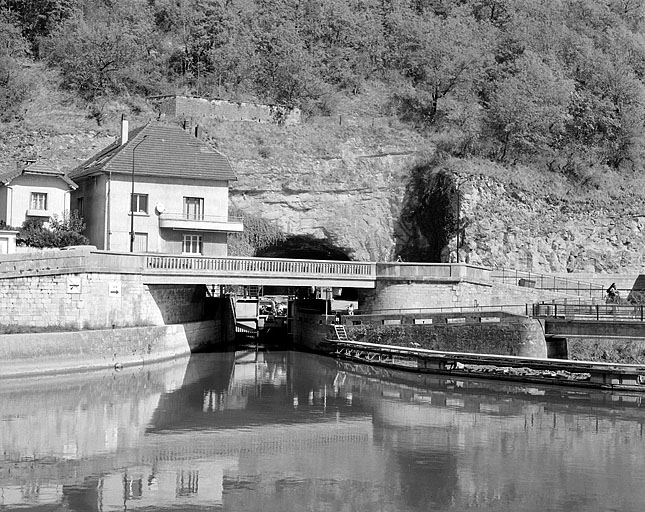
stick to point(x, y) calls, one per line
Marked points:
point(350, 189)
point(511, 227)
point(338, 182)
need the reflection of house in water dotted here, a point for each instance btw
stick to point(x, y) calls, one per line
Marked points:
point(264, 431)
point(171, 444)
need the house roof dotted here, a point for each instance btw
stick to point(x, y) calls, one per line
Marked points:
point(159, 150)
point(37, 168)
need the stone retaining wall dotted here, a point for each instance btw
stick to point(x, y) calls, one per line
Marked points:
point(414, 294)
point(484, 333)
point(60, 352)
point(200, 108)
point(95, 301)
point(513, 336)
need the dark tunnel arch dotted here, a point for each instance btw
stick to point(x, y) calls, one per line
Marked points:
point(308, 247)
point(305, 247)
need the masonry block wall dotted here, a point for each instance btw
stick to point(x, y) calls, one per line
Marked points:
point(514, 336)
point(200, 108)
point(392, 294)
point(96, 301)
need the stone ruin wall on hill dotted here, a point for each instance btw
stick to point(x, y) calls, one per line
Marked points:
point(200, 108)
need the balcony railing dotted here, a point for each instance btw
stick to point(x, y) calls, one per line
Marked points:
point(199, 217)
point(199, 222)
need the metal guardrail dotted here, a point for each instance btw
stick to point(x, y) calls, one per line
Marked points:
point(514, 309)
point(260, 266)
point(547, 282)
point(597, 312)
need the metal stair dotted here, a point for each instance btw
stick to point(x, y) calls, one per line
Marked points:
point(341, 334)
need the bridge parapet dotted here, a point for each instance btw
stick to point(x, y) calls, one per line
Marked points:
point(430, 271)
point(241, 270)
point(166, 263)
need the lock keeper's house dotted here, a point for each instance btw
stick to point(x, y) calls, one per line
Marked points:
point(159, 188)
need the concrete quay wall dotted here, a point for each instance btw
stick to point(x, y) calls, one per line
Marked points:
point(63, 352)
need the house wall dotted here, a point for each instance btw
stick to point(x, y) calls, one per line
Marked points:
point(4, 204)
point(166, 191)
point(170, 193)
point(7, 241)
point(93, 192)
point(214, 243)
point(15, 199)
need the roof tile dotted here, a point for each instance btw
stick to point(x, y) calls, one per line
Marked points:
point(159, 150)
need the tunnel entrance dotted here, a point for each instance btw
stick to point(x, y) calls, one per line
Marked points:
point(262, 312)
point(305, 247)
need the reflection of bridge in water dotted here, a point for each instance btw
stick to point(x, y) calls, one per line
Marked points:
point(223, 417)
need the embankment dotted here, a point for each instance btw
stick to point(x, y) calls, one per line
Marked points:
point(62, 352)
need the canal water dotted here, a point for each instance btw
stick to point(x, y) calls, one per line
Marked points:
point(287, 431)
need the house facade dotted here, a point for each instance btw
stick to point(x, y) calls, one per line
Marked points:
point(33, 190)
point(157, 189)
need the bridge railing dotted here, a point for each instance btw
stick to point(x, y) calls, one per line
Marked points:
point(548, 282)
point(605, 312)
point(262, 266)
point(511, 309)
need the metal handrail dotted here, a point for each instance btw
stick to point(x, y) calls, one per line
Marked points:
point(521, 309)
point(547, 282)
point(597, 312)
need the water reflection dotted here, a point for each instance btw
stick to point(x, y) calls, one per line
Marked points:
point(290, 431)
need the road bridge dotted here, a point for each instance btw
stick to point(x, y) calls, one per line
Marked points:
point(87, 288)
point(167, 269)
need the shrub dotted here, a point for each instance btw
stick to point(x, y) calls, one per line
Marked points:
point(62, 232)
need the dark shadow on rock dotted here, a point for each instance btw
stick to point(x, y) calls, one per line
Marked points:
point(428, 214)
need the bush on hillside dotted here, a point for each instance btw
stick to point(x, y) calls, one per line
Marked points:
point(258, 234)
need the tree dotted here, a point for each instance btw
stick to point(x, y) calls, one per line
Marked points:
point(62, 232)
point(438, 57)
point(37, 18)
point(101, 52)
point(528, 107)
point(14, 86)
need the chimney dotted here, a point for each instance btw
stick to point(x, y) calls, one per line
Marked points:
point(124, 129)
point(198, 131)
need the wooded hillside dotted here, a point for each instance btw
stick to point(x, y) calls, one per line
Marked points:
point(554, 83)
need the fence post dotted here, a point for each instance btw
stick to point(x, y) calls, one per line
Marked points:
point(597, 312)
